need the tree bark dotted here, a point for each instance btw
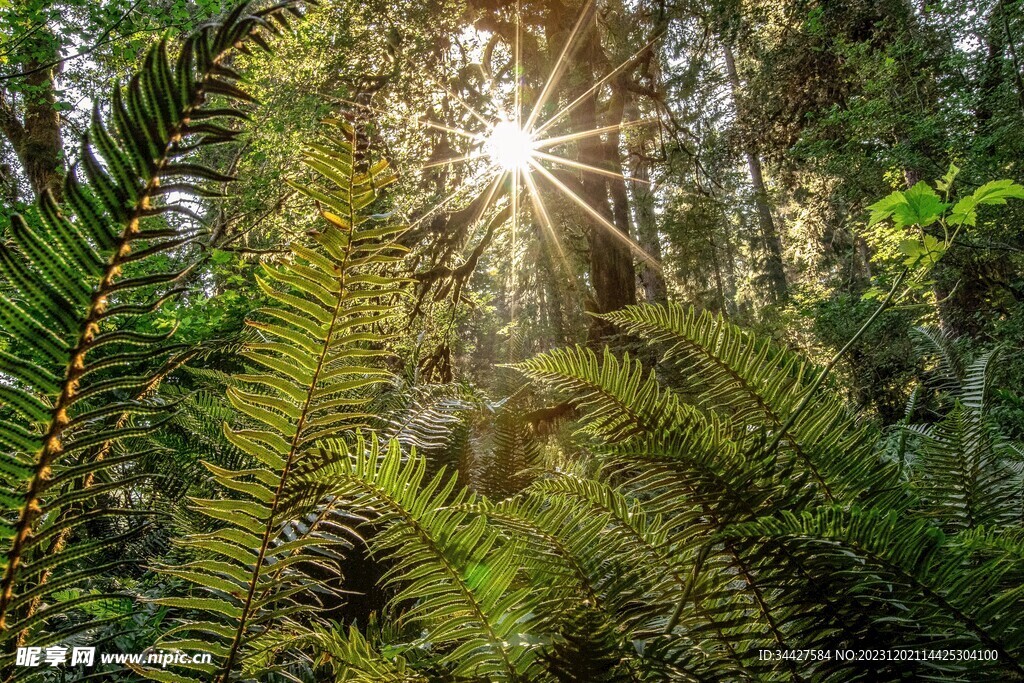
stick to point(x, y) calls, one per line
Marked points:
point(611, 264)
point(612, 273)
point(35, 135)
point(651, 280)
point(774, 266)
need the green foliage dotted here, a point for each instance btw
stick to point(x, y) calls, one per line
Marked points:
point(718, 498)
point(457, 574)
point(965, 470)
point(317, 354)
point(915, 210)
point(702, 543)
point(79, 286)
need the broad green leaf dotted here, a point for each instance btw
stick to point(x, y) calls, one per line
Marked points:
point(927, 251)
point(995, 192)
point(998, 191)
point(923, 206)
point(964, 212)
point(884, 208)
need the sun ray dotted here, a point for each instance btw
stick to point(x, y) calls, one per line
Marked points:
point(515, 229)
point(575, 103)
point(601, 220)
point(515, 149)
point(545, 221)
point(586, 167)
point(559, 67)
point(545, 143)
point(517, 118)
point(499, 178)
point(454, 160)
point(475, 137)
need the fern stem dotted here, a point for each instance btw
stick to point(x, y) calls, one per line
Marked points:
point(58, 544)
point(293, 450)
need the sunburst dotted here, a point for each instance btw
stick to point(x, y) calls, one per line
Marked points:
point(512, 149)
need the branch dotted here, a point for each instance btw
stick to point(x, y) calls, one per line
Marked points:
point(101, 41)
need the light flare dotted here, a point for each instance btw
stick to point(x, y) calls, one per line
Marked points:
point(509, 146)
point(513, 149)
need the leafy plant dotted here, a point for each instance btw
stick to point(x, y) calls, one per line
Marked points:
point(966, 472)
point(704, 542)
point(722, 500)
point(924, 225)
point(80, 281)
point(316, 356)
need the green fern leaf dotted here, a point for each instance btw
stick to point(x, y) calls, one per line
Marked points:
point(73, 292)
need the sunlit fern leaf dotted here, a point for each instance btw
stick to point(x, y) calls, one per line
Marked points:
point(669, 465)
point(585, 553)
point(456, 573)
point(316, 356)
point(619, 401)
point(77, 280)
point(348, 654)
point(758, 387)
point(702, 493)
point(556, 538)
point(640, 588)
point(425, 417)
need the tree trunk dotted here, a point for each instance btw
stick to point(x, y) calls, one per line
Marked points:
point(774, 267)
point(612, 274)
point(729, 305)
point(35, 135)
point(651, 279)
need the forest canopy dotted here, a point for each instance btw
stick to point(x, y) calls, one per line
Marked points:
point(545, 340)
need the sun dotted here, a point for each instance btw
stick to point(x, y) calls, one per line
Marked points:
point(509, 146)
point(517, 146)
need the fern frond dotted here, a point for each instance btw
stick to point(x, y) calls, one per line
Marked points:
point(912, 585)
point(317, 352)
point(427, 417)
point(355, 660)
point(74, 282)
point(961, 472)
point(456, 572)
point(618, 399)
point(505, 452)
point(974, 388)
point(758, 386)
point(948, 372)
